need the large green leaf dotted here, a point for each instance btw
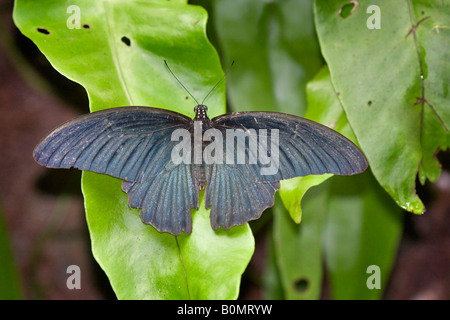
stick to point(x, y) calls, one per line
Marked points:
point(397, 117)
point(117, 55)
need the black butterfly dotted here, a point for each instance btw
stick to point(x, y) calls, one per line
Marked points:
point(136, 145)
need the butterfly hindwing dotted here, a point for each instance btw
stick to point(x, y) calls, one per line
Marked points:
point(166, 199)
point(235, 196)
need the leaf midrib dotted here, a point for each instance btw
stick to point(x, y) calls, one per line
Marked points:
point(113, 48)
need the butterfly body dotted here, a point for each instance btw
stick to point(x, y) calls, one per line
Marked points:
point(165, 158)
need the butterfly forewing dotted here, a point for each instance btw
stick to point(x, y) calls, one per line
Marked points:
point(133, 144)
point(304, 147)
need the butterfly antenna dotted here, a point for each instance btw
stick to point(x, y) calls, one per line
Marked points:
point(170, 70)
point(218, 83)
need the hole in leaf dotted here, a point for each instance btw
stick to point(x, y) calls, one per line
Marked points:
point(86, 26)
point(348, 8)
point(126, 40)
point(301, 285)
point(43, 31)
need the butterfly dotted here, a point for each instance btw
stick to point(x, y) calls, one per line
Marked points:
point(165, 158)
point(136, 145)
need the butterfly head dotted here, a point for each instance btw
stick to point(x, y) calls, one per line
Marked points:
point(200, 112)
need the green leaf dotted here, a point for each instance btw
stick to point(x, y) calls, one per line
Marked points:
point(362, 229)
point(293, 191)
point(117, 55)
point(299, 247)
point(271, 282)
point(377, 75)
point(433, 36)
point(115, 74)
point(275, 49)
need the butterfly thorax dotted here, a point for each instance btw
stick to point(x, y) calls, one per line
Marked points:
point(201, 115)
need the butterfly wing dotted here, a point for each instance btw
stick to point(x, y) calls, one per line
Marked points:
point(133, 144)
point(235, 196)
point(166, 200)
point(303, 147)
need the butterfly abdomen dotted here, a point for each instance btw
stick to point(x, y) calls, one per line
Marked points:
point(200, 173)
